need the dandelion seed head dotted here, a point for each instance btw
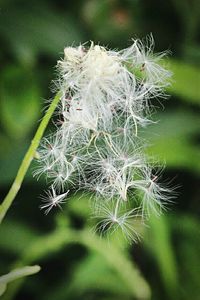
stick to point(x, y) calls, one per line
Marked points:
point(105, 100)
point(104, 66)
point(72, 54)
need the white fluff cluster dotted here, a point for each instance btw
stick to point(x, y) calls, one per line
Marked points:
point(105, 100)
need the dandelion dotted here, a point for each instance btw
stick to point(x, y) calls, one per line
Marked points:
point(96, 147)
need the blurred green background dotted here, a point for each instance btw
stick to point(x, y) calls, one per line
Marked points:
point(75, 263)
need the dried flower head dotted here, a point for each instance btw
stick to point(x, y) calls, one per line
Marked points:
point(105, 99)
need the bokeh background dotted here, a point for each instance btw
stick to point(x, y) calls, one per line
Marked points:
point(75, 263)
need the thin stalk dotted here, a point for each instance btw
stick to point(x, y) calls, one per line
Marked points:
point(116, 208)
point(27, 159)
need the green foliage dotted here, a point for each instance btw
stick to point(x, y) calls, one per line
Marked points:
point(158, 241)
point(76, 263)
point(31, 30)
point(15, 274)
point(118, 20)
point(20, 101)
point(185, 82)
point(187, 233)
point(44, 246)
point(173, 140)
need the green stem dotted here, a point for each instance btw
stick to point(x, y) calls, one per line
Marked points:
point(27, 159)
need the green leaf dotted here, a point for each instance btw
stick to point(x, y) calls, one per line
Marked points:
point(187, 235)
point(2, 288)
point(158, 240)
point(16, 274)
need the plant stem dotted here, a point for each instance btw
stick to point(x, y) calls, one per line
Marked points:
point(27, 159)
